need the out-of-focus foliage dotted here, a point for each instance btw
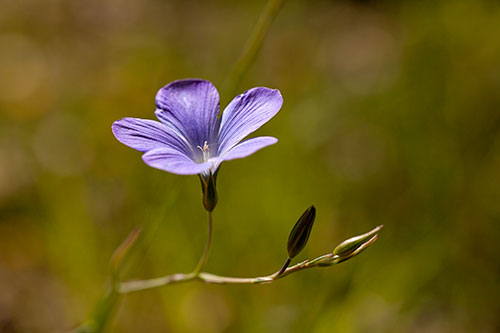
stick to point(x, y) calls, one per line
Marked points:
point(391, 116)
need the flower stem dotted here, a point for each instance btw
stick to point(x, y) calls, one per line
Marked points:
point(204, 256)
point(253, 45)
point(131, 286)
point(325, 260)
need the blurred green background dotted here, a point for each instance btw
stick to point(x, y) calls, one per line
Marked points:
point(391, 116)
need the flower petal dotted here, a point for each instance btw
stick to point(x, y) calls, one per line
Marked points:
point(173, 161)
point(144, 135)
point(246, 113)
point(248, 147)
point(191, 107)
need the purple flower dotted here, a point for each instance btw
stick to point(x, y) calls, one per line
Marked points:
point(191, 138)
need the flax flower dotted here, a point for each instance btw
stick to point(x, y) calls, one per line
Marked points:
point(191, 138)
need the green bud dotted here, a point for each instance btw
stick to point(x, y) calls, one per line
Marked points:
point(209, 190)
point(353, 246)
point(300, 232)
point(358, 250)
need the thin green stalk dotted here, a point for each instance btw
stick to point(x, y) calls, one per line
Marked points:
point(346, 250)
point(139, 285)
point(252, 46)
point(204, 256)
point(131, 286)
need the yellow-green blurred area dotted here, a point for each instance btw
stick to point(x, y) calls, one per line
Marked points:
point(390, 116)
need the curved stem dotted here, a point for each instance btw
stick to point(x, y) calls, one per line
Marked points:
point(204, 256)
point(130, 286)
point(328, 259)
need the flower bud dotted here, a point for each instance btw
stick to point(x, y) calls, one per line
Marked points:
point(353, 246)
point(360, 249)
point(300, 232)
point(209, 190)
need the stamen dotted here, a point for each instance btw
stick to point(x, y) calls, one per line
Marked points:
point(204, 150)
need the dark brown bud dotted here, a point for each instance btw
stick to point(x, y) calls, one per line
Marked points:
point(300, 232)
point(209, 190)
